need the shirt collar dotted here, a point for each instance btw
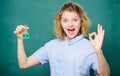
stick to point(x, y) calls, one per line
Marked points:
point(74, 40)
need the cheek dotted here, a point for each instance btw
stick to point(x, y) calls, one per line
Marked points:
point(63, 25)
point(78, 26)
point(77, 29)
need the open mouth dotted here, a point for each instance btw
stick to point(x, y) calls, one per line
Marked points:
point(71, 31)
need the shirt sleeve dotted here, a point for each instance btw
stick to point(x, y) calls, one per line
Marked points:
point(91, 58)
point(93, 62)
point(42, 54)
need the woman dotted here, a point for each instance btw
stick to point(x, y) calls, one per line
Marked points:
point(70, 54)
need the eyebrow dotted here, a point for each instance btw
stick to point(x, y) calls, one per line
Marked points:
point(73, 17)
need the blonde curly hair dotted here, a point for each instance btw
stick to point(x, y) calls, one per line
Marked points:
point(71, 7)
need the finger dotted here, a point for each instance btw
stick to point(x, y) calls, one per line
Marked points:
point(25, 27)
point(103, 32)
point(15, 32)
point(93, 34)
point(99, 29)
point(22, 28)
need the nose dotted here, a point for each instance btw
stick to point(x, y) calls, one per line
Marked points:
point(70, 24)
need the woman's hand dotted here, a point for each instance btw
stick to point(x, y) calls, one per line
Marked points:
point(20, 30)
point(98, 38)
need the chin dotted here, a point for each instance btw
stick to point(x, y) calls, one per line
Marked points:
point(71, 37)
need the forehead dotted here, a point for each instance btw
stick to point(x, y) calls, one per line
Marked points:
point(70, 14)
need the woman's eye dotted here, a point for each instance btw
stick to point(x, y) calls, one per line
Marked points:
point(65, 20)
point(75, 20)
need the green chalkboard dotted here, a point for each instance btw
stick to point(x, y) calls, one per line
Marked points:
point(39, 16)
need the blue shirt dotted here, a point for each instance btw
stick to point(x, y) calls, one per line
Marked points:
point(72, 57)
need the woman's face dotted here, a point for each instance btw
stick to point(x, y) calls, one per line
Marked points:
point(70, 23)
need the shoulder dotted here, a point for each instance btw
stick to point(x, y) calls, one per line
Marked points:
point(53, 42)
point(86, 42)
point(87, 45)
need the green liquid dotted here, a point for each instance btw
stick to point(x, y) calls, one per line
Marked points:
point(26, 36)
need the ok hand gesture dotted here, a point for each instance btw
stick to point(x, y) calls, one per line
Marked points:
point(98, 38)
